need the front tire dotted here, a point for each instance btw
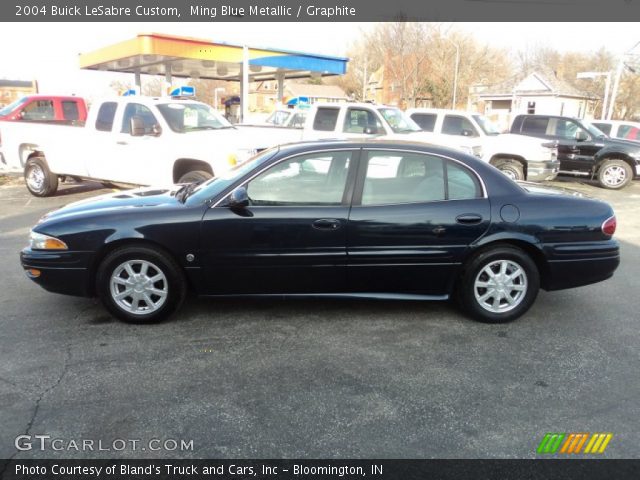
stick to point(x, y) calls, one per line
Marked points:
point(140, 284)
point(614, 174)
point(39, 179)
point(195, 176)
point(498, 285)
point(511, 169)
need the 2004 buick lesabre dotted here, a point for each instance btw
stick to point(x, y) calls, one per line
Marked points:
point(374, 219)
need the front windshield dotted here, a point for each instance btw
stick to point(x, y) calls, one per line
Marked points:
point(189, 117)
point(398, 121)
point(593, 130)
point(215, 185)
point(278, 118)
point(12, 106)
point(487, 126)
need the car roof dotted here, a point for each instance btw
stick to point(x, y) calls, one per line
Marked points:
point(377, 143)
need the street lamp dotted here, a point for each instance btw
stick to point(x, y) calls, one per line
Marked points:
point(215, 96)
point(607, 83)
point(455, 75)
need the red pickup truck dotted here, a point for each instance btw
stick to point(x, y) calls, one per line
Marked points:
point(46, 108)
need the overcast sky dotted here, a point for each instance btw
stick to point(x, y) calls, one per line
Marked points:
point(49, 51)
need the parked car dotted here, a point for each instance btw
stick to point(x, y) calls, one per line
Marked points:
point(619, 129)
point(46, 109)
point(131, 140)
point(517, 156)
point(366, 218)
point(583, 149)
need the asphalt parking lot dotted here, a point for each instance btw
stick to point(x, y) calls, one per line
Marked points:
point(318, 378)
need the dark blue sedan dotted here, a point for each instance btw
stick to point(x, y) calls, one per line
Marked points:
point(331, 219)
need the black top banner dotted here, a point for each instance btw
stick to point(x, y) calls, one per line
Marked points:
point(319, 10)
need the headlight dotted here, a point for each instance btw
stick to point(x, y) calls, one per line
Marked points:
point(39, 241)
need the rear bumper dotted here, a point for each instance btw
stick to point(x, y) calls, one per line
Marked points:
point(538, 171)
point(62, 272)
point(576, 265)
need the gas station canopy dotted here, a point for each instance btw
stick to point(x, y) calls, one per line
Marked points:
point(159, 54)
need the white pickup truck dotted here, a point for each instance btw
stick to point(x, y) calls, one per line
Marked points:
point(517, 156)
point(132, 140)
point(357, 120)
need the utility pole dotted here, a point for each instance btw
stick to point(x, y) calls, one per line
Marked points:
point(364, 81)
point(455, 75)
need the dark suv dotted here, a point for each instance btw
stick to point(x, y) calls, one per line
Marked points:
point(583, 149)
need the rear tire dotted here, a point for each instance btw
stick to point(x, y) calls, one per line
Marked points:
point(195, 176)
point(38, 178)
point(498, 285)
point(140, 284)
point(511, 169)
point(614, 174)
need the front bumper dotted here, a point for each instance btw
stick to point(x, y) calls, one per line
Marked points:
point(538, 171)
point(62, 272)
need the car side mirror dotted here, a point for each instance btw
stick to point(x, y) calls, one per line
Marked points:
point(581, 136)
point(136, 126)
point(371, 130)
point(239, 198)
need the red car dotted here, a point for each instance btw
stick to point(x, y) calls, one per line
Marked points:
point(46, 108)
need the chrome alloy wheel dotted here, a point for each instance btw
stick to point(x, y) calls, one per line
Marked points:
point(500, 286)
point(35, 178)
point(510, 174)
point(614, 175)
point(139, 287)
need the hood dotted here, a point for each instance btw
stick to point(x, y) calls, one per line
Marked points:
point(149, 197)
point(618, 142)
point(451, 141)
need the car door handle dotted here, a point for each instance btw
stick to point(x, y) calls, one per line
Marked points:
point(326, 224)
point(469, 219)
point(121, 142)
point(439, 230)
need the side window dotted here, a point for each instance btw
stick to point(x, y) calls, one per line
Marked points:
point(106, 114)
point(358, 119)
point(398, 177)
point(628, 131)
point(462, 184)
point(535, 125)
point(458, 125)
point(70, 110)
point(426, 121)
point(137, 110)
point(39, 110)
point(326, 119)
point(566, 129)
point(317, 179)
point(603, 127)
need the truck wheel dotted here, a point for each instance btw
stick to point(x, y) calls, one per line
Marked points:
point(140, 284)
point(511, 169)
point(614, 174)
point(39, 179)
point(196, 176)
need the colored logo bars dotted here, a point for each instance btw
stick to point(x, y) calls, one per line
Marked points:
point(573, 442)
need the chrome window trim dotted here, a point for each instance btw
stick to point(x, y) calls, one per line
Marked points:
point(464, 165)
point(352, 149)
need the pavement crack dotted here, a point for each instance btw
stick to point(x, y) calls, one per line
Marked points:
point(65, 368)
